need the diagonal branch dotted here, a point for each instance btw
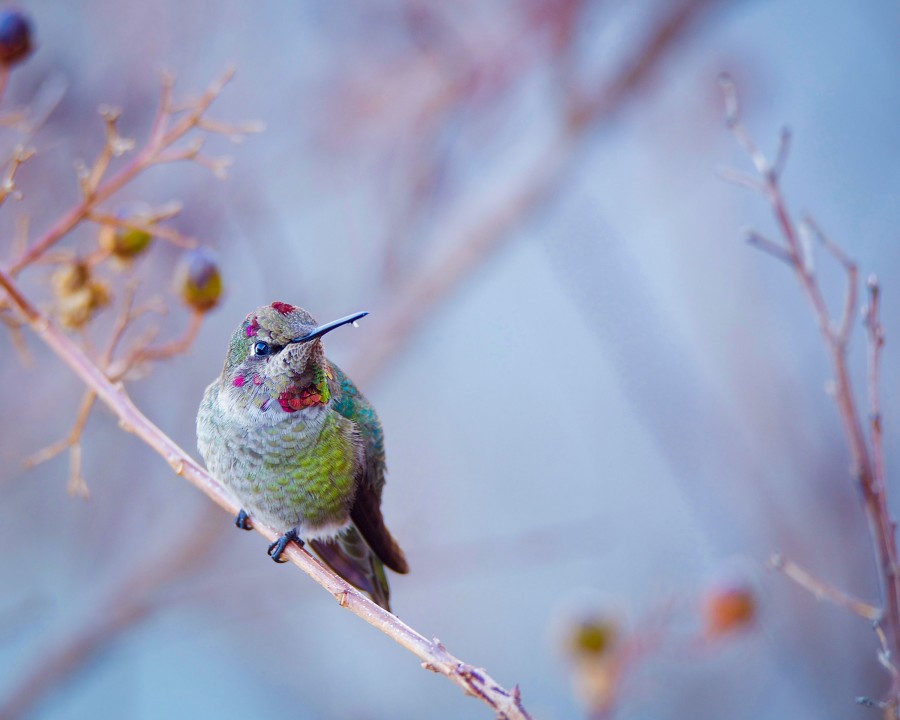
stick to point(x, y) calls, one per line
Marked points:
point(414, 302)
point(434, 656)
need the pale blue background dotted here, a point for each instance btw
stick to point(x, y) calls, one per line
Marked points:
point(622, 405)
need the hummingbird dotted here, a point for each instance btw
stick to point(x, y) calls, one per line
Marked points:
point(300, 447)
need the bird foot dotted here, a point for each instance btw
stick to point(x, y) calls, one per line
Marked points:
point(277, 547)
point(243, 520)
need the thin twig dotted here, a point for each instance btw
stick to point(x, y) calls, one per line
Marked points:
point(845, 329)
point(433, 655)
point(867, 462)
point(875, 346)
point(823, 590)
point(151, 228)
point(162, 136)
point(167, 350)
point(72, 442)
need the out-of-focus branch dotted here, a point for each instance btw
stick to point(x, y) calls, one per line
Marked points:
point(875, 345)
point(868, 464)
point(415, 301)
point(125, 607)
point(434, 656)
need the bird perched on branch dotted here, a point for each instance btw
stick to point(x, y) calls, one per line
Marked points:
point(300, 447)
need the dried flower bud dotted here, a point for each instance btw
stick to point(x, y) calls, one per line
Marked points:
point(728, 609)
point(70, 278)
point(78, 295)
point(15, 37)
point(198, 280)
point(76, 309)
point(595, 636)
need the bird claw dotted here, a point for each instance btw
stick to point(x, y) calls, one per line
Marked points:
point(242, 520)
point(277, 548)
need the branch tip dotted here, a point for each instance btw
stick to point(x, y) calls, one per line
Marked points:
point(732, 106)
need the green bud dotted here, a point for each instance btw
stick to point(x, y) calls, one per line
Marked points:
point(124, 243)
point(594, 637)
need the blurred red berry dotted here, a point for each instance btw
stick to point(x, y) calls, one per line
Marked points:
point(726, 610)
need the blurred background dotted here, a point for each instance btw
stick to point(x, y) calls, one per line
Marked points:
point(597, 400)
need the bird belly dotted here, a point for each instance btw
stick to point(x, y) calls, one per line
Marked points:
point(299, 474)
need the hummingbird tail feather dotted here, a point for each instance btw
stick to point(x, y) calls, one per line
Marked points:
point(367, 519)
point(350, 557)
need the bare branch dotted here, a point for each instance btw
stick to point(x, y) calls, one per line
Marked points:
point(164, 134)
point(8, 186)
point(823, 590)
point(72, 442)
point(868, 468)
point(844, 330)
point(414, 301)
point(733, 120)
point(875, 345)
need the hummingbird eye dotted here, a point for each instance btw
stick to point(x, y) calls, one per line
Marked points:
point(262, 348)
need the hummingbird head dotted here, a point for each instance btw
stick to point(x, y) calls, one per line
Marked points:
point(275, 360)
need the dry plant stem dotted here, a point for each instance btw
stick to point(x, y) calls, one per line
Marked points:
point(414, 302)
point(823, 590)
point(72, 440)
point(162, 136)
point(867, 472)
point(434, 656)
point(875, 345)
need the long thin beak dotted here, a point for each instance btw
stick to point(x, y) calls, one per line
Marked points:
point(328, 327)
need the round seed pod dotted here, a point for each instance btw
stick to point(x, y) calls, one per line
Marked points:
point(124, 243)
point(198, 280)
point(728, 609)
point(594, 636)
point(15, 37)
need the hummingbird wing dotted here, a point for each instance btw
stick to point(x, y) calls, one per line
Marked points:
point(366, 509)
